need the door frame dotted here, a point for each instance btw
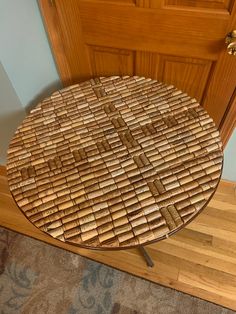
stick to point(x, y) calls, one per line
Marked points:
point(53, 29)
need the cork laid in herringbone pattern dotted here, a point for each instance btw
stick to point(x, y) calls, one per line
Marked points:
point(114, 162)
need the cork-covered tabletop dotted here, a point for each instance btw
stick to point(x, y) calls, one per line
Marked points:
point(114, 162)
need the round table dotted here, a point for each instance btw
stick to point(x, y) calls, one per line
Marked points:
point(114, 162)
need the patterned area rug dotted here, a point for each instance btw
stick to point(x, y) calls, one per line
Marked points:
point(41, 279)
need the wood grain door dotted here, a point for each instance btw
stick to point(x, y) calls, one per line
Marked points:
point(180, 42)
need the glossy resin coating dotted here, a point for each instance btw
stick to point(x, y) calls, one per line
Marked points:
point(114, 162)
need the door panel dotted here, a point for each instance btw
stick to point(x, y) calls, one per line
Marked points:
point(120, 61)
point(178, 71)
point(217, 4)
point(164, 31)
point(179, 42)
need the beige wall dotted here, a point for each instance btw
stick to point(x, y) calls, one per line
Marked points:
point(229, 170)
point(11, 113)
point(25, 52)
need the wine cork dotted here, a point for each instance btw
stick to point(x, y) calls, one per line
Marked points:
point(106, 227)
point(106, 236)
point(74, 232)
point(88, 235)
point(146, 237)
point(118, 214)
point(125, 236)
point(122, 229)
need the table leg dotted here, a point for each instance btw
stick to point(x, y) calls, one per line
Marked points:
point(146, 256)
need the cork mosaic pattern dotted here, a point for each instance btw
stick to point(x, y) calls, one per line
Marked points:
point(114, 162)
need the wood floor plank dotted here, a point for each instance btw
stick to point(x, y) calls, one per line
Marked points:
point(199, 260)
point(205, 259)
point(227, 248)
point(195, 238)
point(216, 222)
point(227, 215)
point(227, 187)
point(225, 287)
point(222, 253)
point(221, 234)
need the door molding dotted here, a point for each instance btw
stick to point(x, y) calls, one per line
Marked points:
point(53, 29)
point(229, 121)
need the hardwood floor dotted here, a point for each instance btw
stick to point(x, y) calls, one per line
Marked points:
point(199, 260)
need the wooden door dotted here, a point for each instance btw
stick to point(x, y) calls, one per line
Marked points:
point(179, 42)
